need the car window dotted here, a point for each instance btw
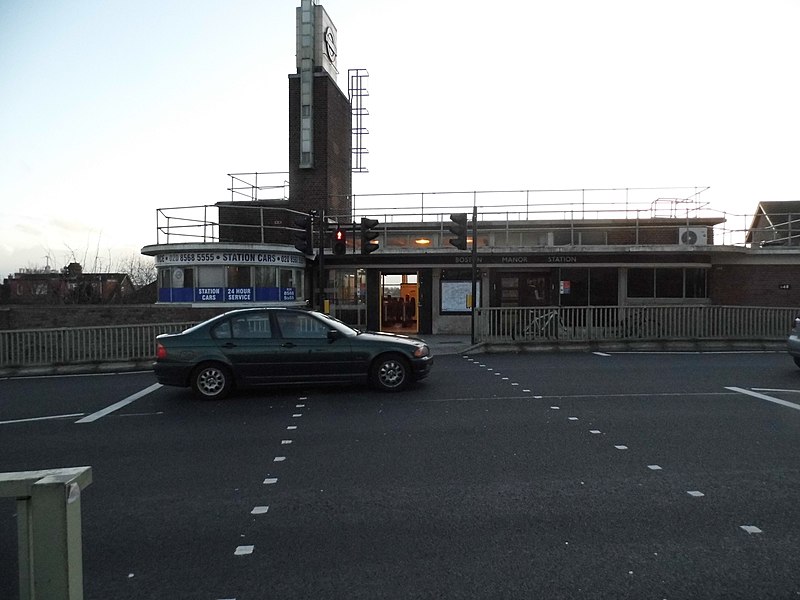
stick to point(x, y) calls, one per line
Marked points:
point(255, 326)
point(222, 331)
point(299, 325)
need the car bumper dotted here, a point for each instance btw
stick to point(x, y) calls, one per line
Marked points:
point(169, 374)
point(421, 367)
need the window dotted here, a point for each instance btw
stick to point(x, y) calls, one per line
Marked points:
point(299, 325)
point(641, 283)
point(255, 326)
point(664, 282)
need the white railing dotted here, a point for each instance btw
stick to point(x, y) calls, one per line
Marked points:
point(82, 345)
point(631, 323)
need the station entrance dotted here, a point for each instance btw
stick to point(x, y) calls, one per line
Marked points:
point(400, 302)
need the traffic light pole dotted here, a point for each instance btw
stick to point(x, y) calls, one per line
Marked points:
point(322, 234)
point(474, 268)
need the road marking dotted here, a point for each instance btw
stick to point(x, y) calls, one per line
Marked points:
point(297, 415)
point(764, 397)
point(300, 406)
point(695, 494)
point(292, 427)
point(573, 418)
point(751, 529)
point(595, 431)
point(41, 418)
point(242, 550)
point(600, 354)
point(270, 481)
point(776, 390)
point(555, 407)
point(621, 447)
point(654, 467)
point(285, 442)
point(259, 510)
point(116, 406)
point(279, 459)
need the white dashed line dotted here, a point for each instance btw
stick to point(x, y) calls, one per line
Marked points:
point(285, 442)
point(621, 447)
point(572, 418)
point(259, 510)
point(695, 494)
point(297, 415)
point(270, 481)
point(751, 529)
point(242, 550)
point(600, 354)
point(595, 431)
point(654, 468)
point(555, 408)
point(279, 459)
point(292, 427)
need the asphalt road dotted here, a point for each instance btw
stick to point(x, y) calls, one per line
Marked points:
point(553, 475)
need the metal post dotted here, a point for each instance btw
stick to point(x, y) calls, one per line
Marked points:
point(474, 267)
point(323, 231)
point(49, 529)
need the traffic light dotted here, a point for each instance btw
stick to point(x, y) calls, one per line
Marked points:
point(339, 242)
point(368, 237)
point(459, 228)
point(304, 239)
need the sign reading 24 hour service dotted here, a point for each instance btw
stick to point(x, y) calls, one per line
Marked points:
point(229, 258)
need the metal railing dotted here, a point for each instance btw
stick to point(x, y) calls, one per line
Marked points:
point(82, 345)
point(633, 323)
point(135, 343)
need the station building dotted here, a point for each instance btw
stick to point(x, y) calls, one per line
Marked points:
point(621, 247)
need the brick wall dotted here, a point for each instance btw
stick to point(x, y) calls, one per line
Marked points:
point(755, 285)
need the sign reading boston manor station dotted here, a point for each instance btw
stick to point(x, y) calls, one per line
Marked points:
point(202, 275)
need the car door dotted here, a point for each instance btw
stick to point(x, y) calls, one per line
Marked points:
point(249, 343)
point(307, 352)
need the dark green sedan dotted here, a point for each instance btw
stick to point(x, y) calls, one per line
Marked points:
point(274, 346)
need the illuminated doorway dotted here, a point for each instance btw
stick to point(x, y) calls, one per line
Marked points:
point(400, 302)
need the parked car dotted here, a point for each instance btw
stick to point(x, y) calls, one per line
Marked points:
point(273, 346)
point(794, 342)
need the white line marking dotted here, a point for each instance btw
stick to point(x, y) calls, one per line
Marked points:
point(654, 467)
point(300, 405)
point(279, 459)
point(297, 415)
point(285, 442)
point(764, 397)
point(695, 494)
point(595, 431)
point(573, 418)
point(292, 427)
point(504, 378)
point(776, 390)
point(116, 406)
point(259, 510)
point(514, 384)
point(751, 529)
point(555, 408)
point(242, 550)
point(270, 481)
point(41, 418)
point(526, 391)
point(621, 447)
point(600, 354)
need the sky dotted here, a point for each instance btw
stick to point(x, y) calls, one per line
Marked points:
point(111, 110)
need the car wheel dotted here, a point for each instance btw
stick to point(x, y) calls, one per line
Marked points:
point(797, 360)
point(211, 381)
point(390, 373)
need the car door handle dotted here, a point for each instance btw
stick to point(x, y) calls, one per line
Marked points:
point(287, 345)
point(229, 345)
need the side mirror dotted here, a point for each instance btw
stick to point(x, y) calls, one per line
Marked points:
point(333, 335)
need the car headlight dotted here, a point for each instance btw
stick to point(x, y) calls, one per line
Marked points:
point(421, 351)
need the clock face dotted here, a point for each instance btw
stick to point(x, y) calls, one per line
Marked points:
point(330, 44)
